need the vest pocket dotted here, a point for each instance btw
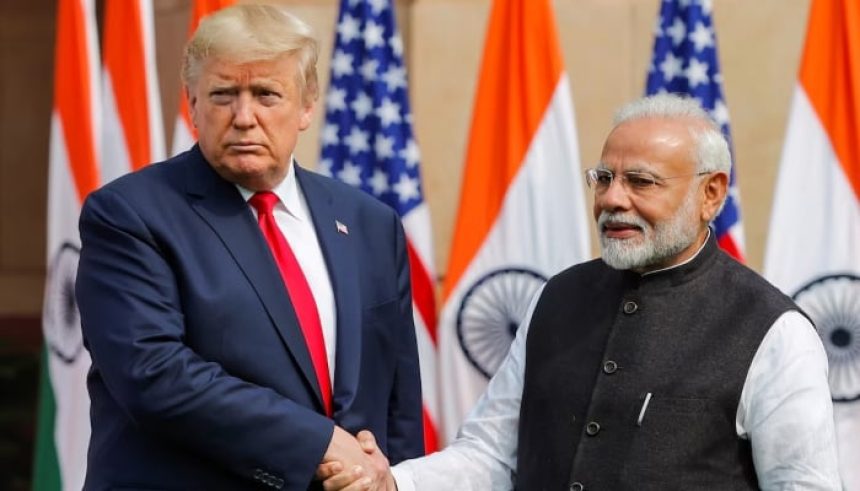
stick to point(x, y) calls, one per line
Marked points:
point(678, 437)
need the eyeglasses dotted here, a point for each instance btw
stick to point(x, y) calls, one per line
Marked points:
point(636, 182)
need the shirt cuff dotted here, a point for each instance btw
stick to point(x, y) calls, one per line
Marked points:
point(403, 478)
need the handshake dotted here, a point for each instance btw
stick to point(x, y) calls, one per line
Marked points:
point(354, 464)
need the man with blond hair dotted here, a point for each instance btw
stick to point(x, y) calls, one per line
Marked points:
point(663, 365)
point(245, 316)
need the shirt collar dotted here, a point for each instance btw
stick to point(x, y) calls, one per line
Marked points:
point(287, 191)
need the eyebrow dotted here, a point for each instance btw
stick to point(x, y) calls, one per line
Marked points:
point(636, 168)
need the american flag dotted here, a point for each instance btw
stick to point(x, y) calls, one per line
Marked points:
point(685, 61)
point(367, 141)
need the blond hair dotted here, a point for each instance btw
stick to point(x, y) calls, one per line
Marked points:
point(254, 32)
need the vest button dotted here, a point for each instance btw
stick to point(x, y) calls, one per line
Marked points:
point(610, 367)
point(577, 486)
point(573, 419)
point(592, 428)
point(630, 307)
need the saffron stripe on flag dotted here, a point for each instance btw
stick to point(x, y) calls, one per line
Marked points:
point(132, 123)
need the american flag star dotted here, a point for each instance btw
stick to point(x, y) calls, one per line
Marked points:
point(685, 62)
point(366, 130)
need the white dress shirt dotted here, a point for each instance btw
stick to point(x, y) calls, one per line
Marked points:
point(294, 219)
point(785, 411)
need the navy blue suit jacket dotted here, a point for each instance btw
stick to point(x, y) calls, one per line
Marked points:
point(201, 378)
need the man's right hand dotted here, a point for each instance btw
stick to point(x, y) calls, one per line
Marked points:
point(343, 469)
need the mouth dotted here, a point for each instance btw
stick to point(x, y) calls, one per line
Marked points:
point(244, 147)
point(619, 230)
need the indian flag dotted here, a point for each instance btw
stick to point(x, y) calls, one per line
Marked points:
point(813, 250)
point(63, 420)
point(184, 136)
point(522, 215)
point(133, 128)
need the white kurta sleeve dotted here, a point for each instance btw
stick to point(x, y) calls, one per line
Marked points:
point(786, 411)
point(484, 454)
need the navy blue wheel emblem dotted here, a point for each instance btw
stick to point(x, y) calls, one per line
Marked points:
point(490, 313)
point(61, 320)
point(833, 303)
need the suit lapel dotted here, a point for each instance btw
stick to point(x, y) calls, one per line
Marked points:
point(220, 204)
point(340, 259)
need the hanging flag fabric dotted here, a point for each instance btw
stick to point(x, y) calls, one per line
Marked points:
point(813, 249)
point(63, 420)
point(368, 142)
point(685, 61)
point(133, 129)
point(522, 215)
point(184, 136)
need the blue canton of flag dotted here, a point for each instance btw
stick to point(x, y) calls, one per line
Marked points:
point(367, 140)
point(685, 61)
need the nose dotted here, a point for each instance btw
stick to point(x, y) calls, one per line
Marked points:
point(244, 116)
point(614, 198)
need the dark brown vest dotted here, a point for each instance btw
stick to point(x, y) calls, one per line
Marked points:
point(600, 340)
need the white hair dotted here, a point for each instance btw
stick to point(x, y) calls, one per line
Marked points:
point(712, 150)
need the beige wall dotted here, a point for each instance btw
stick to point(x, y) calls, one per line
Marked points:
point(607, 46)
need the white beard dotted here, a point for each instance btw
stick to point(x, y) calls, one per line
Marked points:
point(656, 244)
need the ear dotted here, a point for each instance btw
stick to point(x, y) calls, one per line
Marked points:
point(716, 188)
point(306, 115)
point(192, 104)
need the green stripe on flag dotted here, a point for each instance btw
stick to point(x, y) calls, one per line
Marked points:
point(46, 466)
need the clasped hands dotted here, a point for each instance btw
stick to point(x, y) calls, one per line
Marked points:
point(354, 464)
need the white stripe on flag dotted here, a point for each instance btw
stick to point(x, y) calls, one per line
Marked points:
point(542, 227)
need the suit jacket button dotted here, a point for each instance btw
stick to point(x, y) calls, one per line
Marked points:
point(630, 307)
point(577, 486)
point(610, 367)
point(592, 428)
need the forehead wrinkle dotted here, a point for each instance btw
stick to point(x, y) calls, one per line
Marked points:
point(246, 80)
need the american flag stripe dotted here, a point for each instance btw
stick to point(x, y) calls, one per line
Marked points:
point(422, 291)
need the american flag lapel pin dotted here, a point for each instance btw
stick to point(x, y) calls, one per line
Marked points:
point(341, 228)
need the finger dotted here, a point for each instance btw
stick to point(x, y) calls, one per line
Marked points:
point(327, 470)
point(367, 441)
point(362, 484)
point(344, 479)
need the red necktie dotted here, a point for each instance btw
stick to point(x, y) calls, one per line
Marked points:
point(298, 289)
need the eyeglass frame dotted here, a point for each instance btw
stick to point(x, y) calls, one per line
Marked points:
point(653, 180)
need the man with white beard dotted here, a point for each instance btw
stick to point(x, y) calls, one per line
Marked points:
point(663, 365)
